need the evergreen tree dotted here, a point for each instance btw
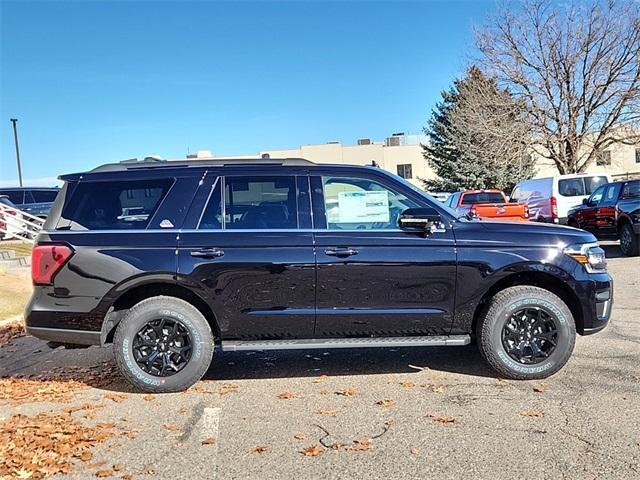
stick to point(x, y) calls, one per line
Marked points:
point(478, 137)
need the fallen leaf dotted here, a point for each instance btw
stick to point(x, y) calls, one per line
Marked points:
point(23, 473)
point(407, 384)
point(361, 445)
point(391, 421)
point(312, 450)
point(183, 410)
point(347, 392)
point(127, 476)
point(287, 395)
point(335, 446)
point(116, 397)
point(259, 449)
point(531, 414)
point(148, 398)
point(326, 411)
point(172, 427)
point(320, 379)
point(539, 389)
point(386, 403)
point(299, 436)
point(149, 471)
point(228, 388)
point(104, 473)
point(415, 451)
point(438, 388)
point(117, 467)
point(208, 441)
point(442, 419)
point(86, 456)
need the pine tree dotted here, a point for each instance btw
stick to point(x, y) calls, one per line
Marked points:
point(478, 137)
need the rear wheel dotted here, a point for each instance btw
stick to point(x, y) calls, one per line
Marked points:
point(526, 333)
point(629, 241)
point(163, 344)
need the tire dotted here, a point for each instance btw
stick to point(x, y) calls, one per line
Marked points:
point(170, 311)
point(495, 322)
point(629, 241)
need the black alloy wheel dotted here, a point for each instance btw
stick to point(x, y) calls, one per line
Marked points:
point(530, 335)
point(162, 347)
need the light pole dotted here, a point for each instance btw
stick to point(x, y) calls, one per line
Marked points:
point(15, 137)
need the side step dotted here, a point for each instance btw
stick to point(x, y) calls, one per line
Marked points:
point(313, 343)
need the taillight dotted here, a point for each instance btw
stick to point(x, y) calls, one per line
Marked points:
point(46, 261)
point(554, 208)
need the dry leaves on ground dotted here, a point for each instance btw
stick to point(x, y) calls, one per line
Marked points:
point(539, 389)
point(172, 427)
point(259, 449)
point(208, 441)
point(299, 436)
point(407, 384)
point(415, 451)
point(287, 395)
point(438, 388)
point(320, 379)
point(228, 388)
point(116, 397)
point(149, 398)
point(360, 445)
point(44, 444)
point(347, 392)
point(9, 331)
point(442, 418)
point(386, 402)
point(56, 385)
point(312, 450)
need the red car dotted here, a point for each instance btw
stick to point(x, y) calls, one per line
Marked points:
point(487, 204)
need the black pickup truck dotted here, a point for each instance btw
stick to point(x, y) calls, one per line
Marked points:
point(612, 212)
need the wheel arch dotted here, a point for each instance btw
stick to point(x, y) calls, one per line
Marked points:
point(140, 291)
point(544, 280)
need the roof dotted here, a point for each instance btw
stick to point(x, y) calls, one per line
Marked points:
point(13, 189)
point(218, 162)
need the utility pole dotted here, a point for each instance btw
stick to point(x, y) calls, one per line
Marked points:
point(15, 137)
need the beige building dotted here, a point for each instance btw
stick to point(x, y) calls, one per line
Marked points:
point(402, 154)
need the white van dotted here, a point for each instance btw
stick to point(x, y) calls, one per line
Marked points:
point(550, 198)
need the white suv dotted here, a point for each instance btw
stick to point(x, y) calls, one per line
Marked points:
point(550, 198)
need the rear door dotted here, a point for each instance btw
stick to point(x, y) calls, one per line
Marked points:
point(249, 253)
point(375, 279)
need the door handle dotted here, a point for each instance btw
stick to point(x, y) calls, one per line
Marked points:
point(340, 252)
point(207, 253)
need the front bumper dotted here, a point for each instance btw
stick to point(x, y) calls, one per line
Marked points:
point(597, 308)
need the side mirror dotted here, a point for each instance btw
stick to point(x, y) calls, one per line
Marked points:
point(585, 201)
point(421, 219)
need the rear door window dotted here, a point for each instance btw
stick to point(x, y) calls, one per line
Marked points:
point(632, 190)
point(114, 205)
point(482, 197)
point(611, 195)
point(44, 196)
point(258, 203)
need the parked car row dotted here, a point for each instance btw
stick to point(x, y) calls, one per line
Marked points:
point(487, 204)
point(35, 201)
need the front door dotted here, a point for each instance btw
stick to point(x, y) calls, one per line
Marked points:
point(250, 256)
point(375, 279)
point(588, 214)
point(606, 221)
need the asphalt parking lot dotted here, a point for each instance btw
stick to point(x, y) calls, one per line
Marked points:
point(369, 413)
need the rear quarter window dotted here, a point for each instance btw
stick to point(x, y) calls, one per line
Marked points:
point(631, 190)
point(113, 205)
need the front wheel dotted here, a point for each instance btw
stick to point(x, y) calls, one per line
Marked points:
point(526, 333)
point(629, 241)
point(163, 344)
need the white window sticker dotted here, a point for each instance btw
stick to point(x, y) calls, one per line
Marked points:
point(363, 207)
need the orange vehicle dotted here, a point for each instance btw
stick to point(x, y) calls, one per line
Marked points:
point(487, 204)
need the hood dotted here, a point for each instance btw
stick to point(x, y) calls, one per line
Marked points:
point(534, 234)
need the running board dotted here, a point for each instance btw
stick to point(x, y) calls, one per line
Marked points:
point(314, 343)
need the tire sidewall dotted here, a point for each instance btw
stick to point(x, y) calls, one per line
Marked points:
point(201, 339)
point(633, 245)
point(566, 336)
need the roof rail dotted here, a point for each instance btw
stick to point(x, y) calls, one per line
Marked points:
point(135, 164)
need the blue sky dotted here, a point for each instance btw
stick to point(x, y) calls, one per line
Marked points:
point(93, 82)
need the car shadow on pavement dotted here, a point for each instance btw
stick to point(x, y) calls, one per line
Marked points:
point(344, 362)
point(611, 249)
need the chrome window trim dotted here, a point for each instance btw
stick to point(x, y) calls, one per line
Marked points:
point(239, 230)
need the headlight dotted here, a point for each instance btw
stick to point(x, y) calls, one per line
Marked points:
point(590, 255)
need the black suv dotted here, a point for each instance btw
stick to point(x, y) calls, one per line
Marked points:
point(612, 212)
point(168, 259)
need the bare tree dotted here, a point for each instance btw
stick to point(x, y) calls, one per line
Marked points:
point(576, 68)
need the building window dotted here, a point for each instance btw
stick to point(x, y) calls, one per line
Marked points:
point(404, 170)
point(637, 155)
point(603, 158)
